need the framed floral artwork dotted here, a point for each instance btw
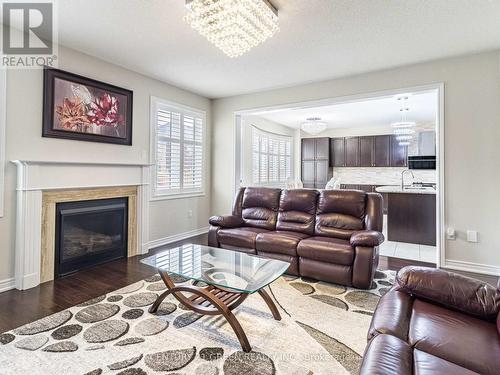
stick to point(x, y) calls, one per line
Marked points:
point(80, 108)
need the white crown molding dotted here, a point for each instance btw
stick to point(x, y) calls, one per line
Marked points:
point(176, 237)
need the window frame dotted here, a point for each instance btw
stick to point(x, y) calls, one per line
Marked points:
point(166, 194)
point(278, 137)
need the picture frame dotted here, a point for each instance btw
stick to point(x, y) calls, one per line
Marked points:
point(84, 109)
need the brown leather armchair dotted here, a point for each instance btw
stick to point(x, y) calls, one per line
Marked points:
point(327, 235)
point(435, 322)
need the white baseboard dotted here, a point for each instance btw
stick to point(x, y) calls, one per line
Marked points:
point(176, 237)
point(7, 284)
point(471, 267)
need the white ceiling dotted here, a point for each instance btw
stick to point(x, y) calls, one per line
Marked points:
point(376, 112)
point(319, 39)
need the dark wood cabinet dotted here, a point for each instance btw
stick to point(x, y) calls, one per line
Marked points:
point(308, 149)
point(381, 151)
point(322, 149)
point(366, 151)
point(337, 152)
point(352, 152)
point(315, 162)
point(412, 218)
point(399, 154)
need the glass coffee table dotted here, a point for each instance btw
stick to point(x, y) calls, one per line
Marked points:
point(222, 280)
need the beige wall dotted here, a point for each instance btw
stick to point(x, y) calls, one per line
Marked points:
point(472, 135)
point(24, 141)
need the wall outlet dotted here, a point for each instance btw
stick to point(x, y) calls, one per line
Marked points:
point(450, 234)
point(190, 213)
point(472, 236)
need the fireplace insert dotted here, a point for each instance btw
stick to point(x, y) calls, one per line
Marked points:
point(89, 233)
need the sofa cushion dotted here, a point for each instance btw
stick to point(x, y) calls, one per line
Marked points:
point(340, 213)
point(329, 272)
point(326, 249)
point(239, 237)
point(297, 210)
point(294, 261)
point(387, 355)
point(260, 207)
point(279, 242)
point(455, 337)
point(428, 364)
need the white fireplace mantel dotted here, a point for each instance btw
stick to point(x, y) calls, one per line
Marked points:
point(35, 177)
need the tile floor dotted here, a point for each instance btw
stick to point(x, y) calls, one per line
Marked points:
point(404, 250)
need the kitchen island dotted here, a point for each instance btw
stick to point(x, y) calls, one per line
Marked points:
point(411, 214)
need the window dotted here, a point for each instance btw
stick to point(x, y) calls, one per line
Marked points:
point(271, 158)
point(177, 136)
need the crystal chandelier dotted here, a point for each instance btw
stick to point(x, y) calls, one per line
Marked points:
point(234, 26)
point(403, 129)
point(313, 125)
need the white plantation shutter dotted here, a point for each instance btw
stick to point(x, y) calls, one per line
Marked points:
point(179, 150)
point(271, 158)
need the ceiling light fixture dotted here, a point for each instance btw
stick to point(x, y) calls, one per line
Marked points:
point(313, 125)
point(234, 26)
point(403, 129)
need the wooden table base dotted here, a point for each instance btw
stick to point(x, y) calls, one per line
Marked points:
point(213, 300)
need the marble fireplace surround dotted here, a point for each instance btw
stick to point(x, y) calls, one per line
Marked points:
point(41, 184)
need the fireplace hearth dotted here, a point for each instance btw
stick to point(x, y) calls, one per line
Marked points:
point(89, 232)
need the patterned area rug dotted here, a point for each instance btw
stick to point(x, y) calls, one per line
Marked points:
point(322, 331)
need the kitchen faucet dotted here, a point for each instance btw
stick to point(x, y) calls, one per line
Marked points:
point(403, 177)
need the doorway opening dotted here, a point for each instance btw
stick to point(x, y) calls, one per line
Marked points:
point(388, 142)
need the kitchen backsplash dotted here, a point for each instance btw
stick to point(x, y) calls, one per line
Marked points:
point(381, 176)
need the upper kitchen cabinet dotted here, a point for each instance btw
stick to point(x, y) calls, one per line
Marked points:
point(352, 151)
point(308, 149)
point(366, 151)
point(322, 148)
point(337, 152)
point(381, 151)
point(399, 154)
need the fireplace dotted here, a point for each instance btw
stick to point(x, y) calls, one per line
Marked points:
point(89, 232)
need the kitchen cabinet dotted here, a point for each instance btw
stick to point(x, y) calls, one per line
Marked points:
point(366, 151)
point(352, 152)
point(381, 151)
point(308, 148)
point(399, 154)
point(411, 218)
point(315, 162)
point(337, 152)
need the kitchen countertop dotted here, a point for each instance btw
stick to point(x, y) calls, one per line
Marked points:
point(407, 190)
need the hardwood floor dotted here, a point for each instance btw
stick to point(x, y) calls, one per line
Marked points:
point(21, 307)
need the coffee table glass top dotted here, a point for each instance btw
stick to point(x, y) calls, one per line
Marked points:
point(229, 269)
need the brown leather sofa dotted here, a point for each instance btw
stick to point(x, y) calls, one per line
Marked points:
point(330, 235)
point(435, 322)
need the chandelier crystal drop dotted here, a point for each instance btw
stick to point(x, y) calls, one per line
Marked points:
point(313, 125)
point(234, 26)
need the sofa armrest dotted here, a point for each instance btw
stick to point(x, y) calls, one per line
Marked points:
point(451, 290)
point(228, 221)
point(368, 238)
